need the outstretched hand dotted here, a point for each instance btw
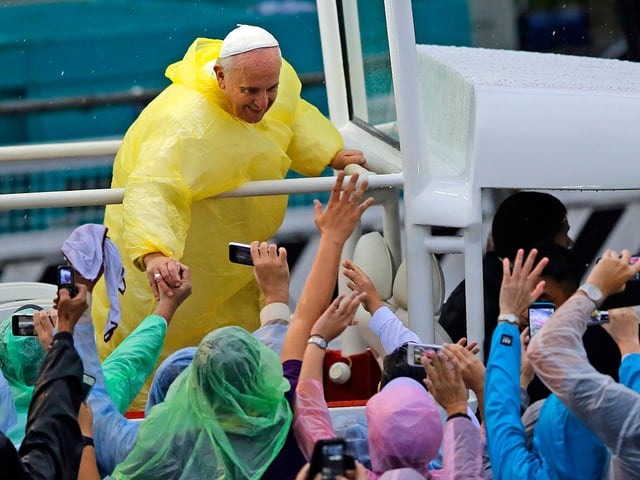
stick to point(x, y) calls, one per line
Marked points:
point(444, 382)
point(520, 285)
point(271, 271)
point(361, 283)
point(612, 272)
point(162, 273)
point(343, 210)
point(338, 316)
point(623, 328)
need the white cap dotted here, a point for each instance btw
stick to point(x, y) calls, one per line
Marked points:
point(339, 373)
point(246, 38)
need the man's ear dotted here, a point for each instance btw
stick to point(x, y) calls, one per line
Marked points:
point(219, 75)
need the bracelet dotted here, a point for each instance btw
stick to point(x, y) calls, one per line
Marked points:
point(87, 442)
point(459, 414)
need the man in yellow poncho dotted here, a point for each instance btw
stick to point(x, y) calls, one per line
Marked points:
point(232, 114)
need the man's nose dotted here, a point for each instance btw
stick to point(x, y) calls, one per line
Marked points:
point(261, 100)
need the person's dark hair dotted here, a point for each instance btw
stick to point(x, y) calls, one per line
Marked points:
point(563, 266)
point(524, 220)
point(395, 365)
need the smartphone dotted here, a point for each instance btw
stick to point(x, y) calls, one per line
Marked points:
point(598, 317)
point(22, 325)
point(415, 352)
point(87, 384)
point(240, 253)
point(539, 314)
point(329, 459)
point(66, 279)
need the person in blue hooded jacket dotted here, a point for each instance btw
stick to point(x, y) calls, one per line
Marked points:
point(563, 448)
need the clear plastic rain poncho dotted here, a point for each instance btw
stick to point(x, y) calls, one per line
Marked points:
point(166, 373)
point(183, 148)
point(8, 416)
point(20, 361)
point(225, 416)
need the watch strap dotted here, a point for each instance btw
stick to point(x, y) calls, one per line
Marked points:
point(511, 318)
point(318, 340)
point(87, 441)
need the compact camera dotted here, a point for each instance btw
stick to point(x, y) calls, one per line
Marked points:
point(240, 253)
point(22, 325)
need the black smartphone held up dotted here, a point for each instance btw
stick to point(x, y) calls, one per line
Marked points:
point(87, 384)
point(66, 279)
point(22, 325)
point(330, 459)
point(539, 314)
point(598, 317)
point(240, 253)
point(415, 352)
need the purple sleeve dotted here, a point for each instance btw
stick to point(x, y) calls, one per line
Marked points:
point(291, 371)
point(290, 459)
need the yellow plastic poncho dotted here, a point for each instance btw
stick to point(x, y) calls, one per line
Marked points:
point(183, 148)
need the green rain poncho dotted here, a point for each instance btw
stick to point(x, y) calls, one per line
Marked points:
point(183, 148)
point(20, 361)
point(224, 417)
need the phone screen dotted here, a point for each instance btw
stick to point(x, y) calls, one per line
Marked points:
point(332, 460)
point(415, 352)
point(539, 314)
point(240, 253)
point(66, 279)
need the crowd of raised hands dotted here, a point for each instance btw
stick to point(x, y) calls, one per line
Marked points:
point(241, 406)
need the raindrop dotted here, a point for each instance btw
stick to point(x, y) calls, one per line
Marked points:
point(62, 73)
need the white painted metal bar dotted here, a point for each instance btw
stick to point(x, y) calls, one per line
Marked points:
point(78, 198)
point(411, 123)
point(42, 151)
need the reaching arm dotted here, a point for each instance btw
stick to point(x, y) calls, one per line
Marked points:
point(336, 224)
point(462, 443)
point(311, 414)
point(610, 410)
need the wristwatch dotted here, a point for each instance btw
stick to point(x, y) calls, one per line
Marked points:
point(511, 318)
point(592, 292)
point(318, 340)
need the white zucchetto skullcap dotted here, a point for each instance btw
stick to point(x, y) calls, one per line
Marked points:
point(246, 38)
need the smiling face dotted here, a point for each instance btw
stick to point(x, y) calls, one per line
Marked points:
point(250, 82)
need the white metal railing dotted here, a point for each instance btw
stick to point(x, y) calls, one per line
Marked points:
point(107, 196)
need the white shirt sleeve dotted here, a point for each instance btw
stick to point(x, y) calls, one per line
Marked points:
point(390, 330)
